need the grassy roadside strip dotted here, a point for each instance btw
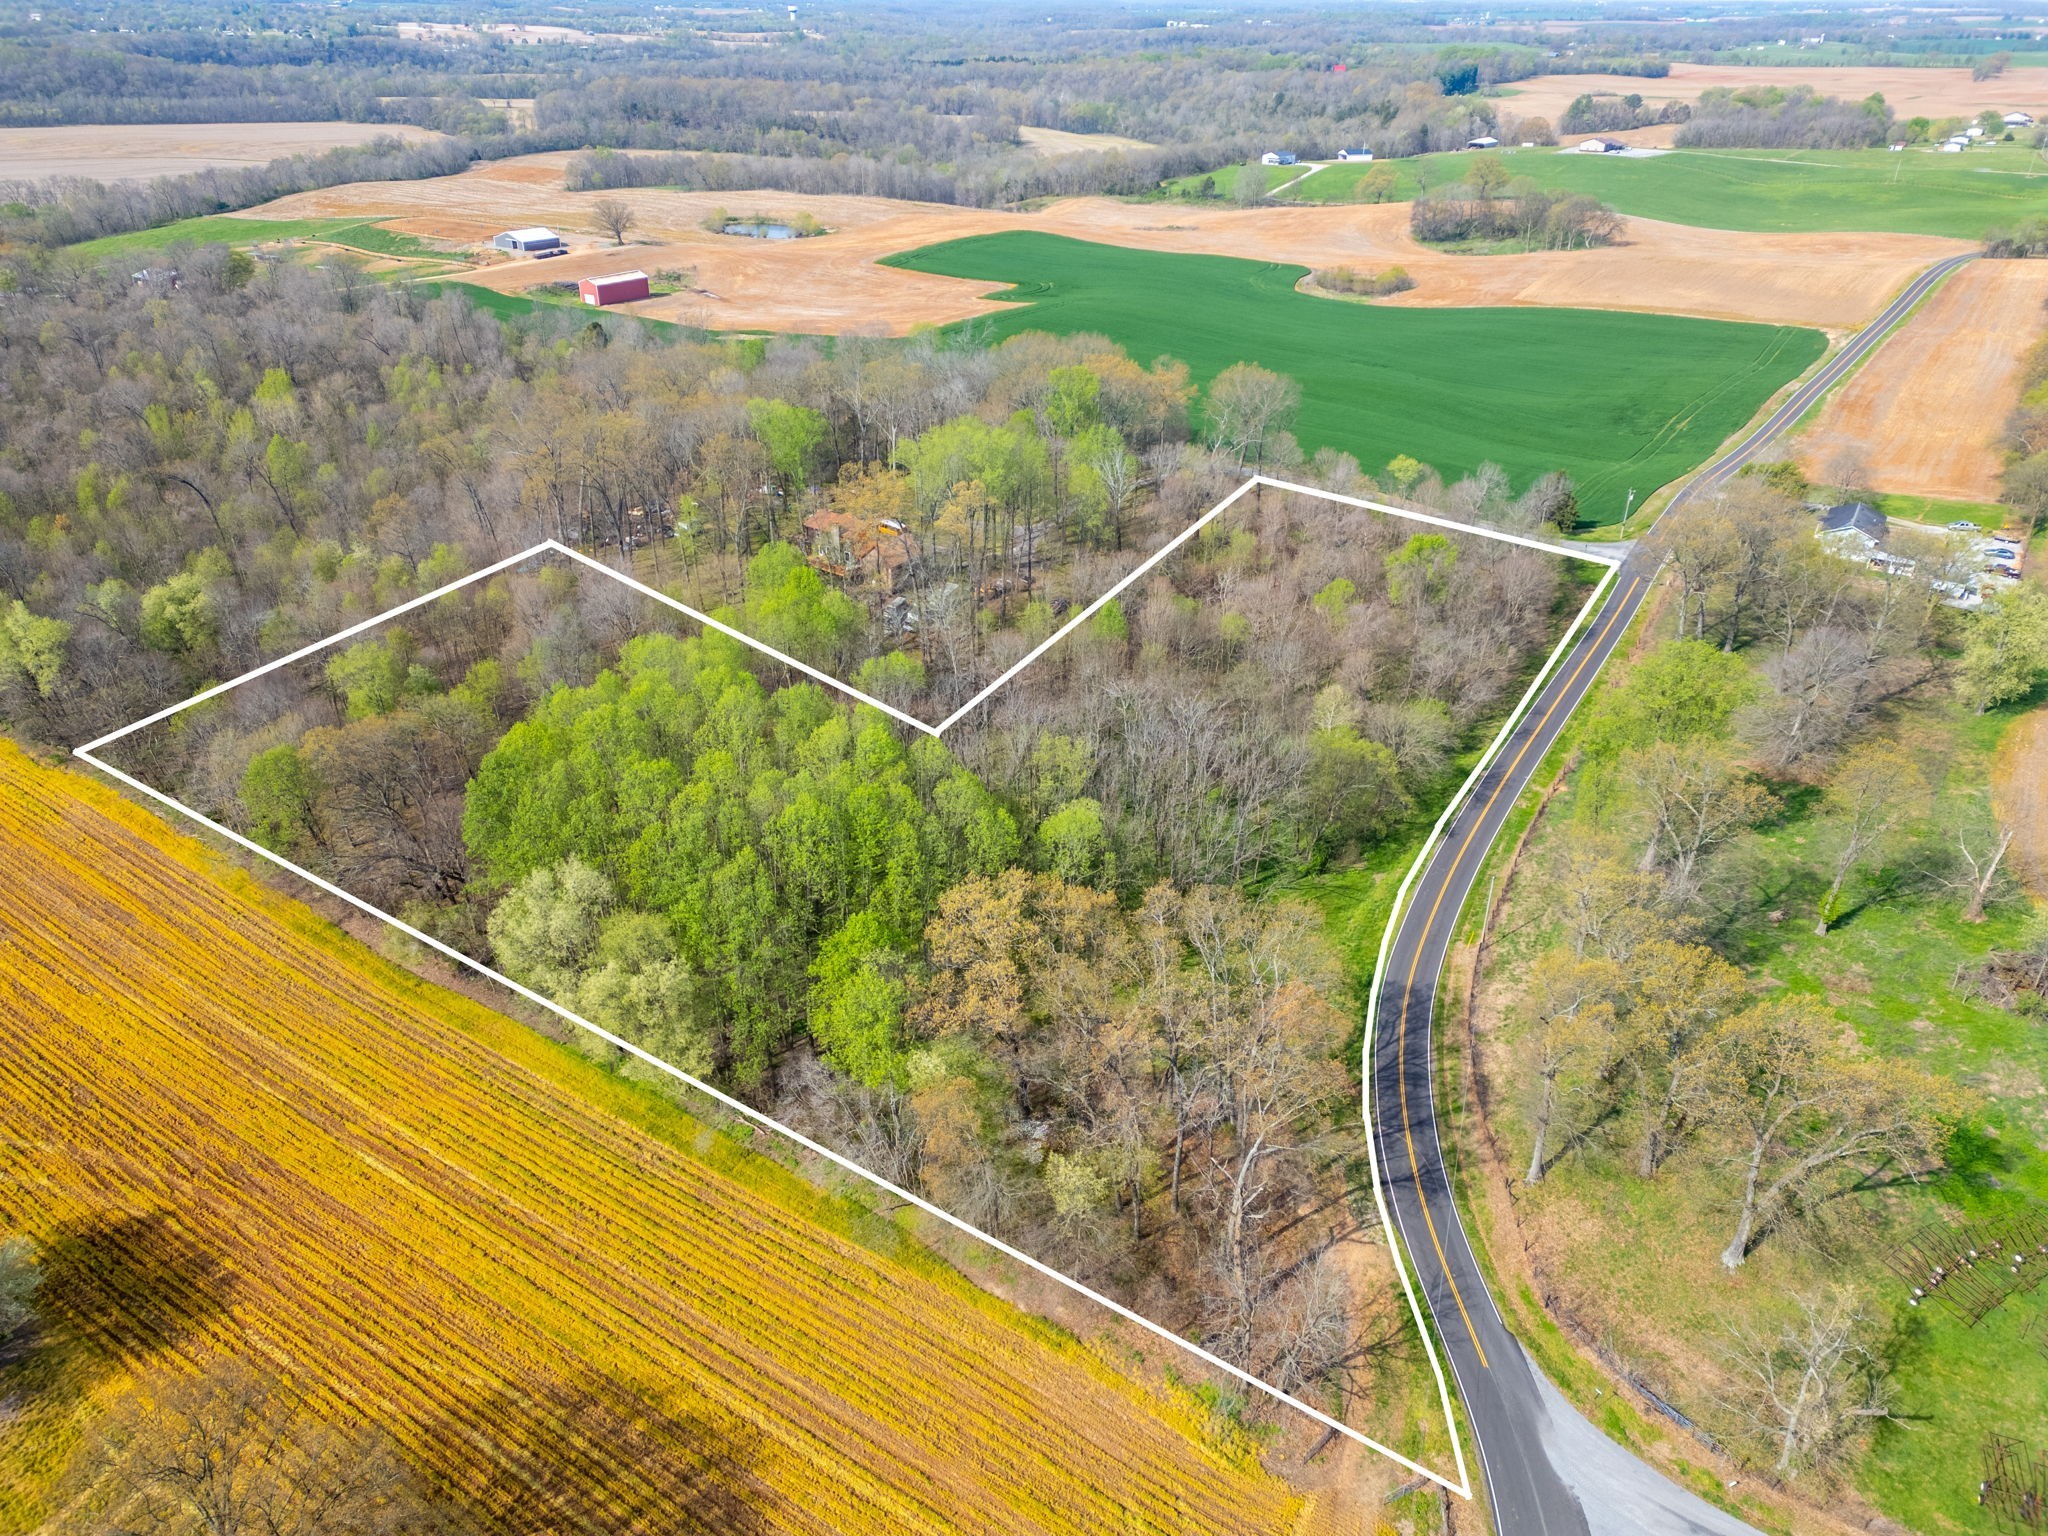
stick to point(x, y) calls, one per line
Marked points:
point(1480, 1183)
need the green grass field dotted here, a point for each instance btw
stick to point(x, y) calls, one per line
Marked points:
point(1931, 510)
point(1915, 192)
point(1617, 401)
point(221, 229)
point(515, 307)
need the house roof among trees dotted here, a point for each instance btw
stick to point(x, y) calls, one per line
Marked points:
point(1858, 515)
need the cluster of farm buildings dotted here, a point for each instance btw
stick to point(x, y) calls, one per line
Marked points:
point(1964, 571)
point(540, 242)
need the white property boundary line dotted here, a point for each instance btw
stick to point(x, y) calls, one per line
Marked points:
point(1462, 1487)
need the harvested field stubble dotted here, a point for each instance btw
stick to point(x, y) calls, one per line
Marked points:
point(567, 1300)
point(128, 152)
point(1924, 415)
point(1908, 89)
point(831, 284)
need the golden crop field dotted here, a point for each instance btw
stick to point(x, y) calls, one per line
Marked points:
point(230, 1126)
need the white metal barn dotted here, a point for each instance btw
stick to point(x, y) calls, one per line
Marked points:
point(537, 237)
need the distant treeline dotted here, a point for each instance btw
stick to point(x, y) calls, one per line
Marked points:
point(201, 76)
point(1115, 172)
point(2029, 237)
point(1770, 117)
point(1644, 67)
point(1617, 114)
point(1542, 219)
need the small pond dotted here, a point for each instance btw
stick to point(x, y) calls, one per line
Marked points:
point(761, 231)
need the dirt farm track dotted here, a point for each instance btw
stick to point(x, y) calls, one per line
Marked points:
point(1923, 416)
point(831, 284)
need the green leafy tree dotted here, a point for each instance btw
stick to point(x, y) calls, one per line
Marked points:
point(791, 607)
point(180, 616)
point(857, 1001)
point(1074, 845)
point(548, 923)
point(2005, 656)
point(32, 647)
point(1488, 177)
point(374, 677)
point(793, 436)
point(1353, 792)
point(1073, 400)
point(280, 795)
point(1419, 572)
point(635, 984)
point(1682, 690)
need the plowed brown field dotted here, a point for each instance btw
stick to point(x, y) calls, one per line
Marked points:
point(124, 152)
point(1909, 91)
point(2019, 791)
point(230, 1126)
point(831, 283)
point(1923, 415)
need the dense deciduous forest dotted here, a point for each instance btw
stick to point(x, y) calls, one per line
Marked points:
point(1019, 970)
point(1771, 117)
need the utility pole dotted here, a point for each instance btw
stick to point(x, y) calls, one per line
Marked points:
point(1625, 511)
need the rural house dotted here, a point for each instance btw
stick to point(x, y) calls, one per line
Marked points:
point(2019, 119)
point(843, 545)
point(618, 288)
point(1601, 146)
point(1485, 141)
point(1855, 529)
point(1279, 157)
point(1354, 154)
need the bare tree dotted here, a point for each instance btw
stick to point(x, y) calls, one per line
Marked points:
point(1608, 909)
point(1814, 1386)
point(1983, 869)
point(1876, 789)
point(1695, 798)
point(1680, 994)
point(1247, 406)
point(1571, 1030)
point(1796, 1105)
point(1249, 189)
point(1822, 683)
point(615, 216)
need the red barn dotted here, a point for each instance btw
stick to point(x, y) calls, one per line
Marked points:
point(619, 288)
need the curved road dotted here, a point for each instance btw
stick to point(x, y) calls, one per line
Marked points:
point(1540, 1471)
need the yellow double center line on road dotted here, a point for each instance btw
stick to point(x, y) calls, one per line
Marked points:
point(1408, 990)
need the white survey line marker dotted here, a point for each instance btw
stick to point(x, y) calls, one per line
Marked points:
point(1462, 1487)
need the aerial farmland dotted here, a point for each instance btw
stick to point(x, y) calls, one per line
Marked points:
point(833, 769)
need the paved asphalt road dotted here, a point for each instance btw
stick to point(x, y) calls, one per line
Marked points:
point(1530, 1485)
